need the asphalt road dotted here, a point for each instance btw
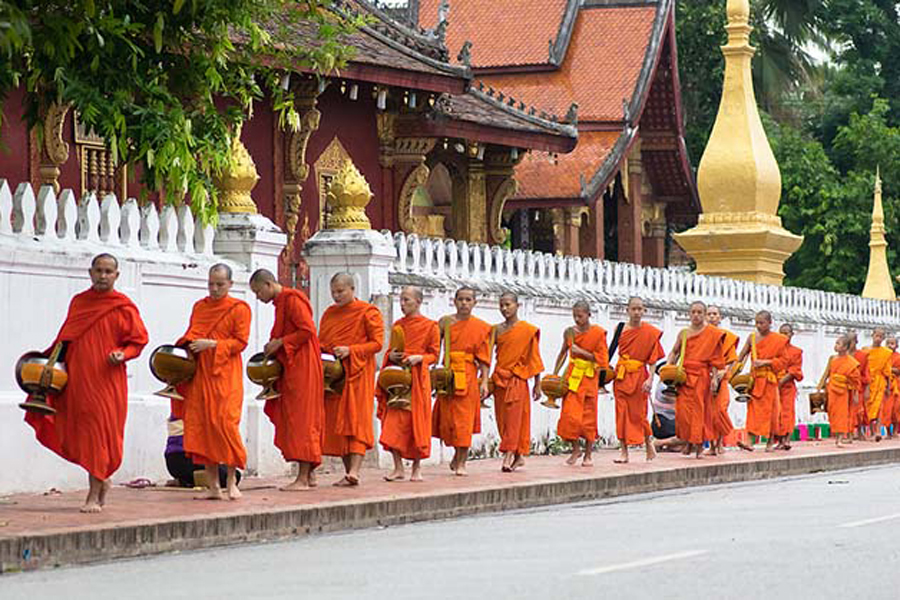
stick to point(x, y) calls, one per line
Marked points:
point(825, 536)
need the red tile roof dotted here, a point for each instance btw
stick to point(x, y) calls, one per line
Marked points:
point(502, 32)
point(541, 177)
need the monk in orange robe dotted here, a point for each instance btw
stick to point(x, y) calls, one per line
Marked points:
point(878, 359)
point(455, 418)
point(518, 360)
point(638, 347)
point(858, 416)
point(298, 414)
point(787, 389)
point(718, 419)
point(102, 330)
point(353, 331)
point(842, 385)
point(703, 360)
point(890, 414)
point(767, 351)
point(588, 355)
point(406, 426)
point(214, 397)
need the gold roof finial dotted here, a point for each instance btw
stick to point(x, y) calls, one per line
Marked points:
point(879, 284)
point(348, 196)
point(237, 180)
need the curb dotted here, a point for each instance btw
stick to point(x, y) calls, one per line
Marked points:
point(130, 541)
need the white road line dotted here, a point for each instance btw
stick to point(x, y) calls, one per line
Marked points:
point(642, 563)
point(869, 521)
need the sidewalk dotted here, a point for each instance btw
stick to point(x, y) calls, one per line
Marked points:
point(40, 531)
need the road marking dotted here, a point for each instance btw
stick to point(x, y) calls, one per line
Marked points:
point(869, 521)
point(642, 563)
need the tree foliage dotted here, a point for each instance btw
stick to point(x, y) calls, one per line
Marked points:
point(167, 83)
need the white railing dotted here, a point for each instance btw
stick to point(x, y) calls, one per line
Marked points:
point(46, 218)
point(441, 262)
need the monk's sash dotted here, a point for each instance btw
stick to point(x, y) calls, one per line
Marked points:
point(458, 362)
point(581, 368)
point(627, 365)
point(839, 381)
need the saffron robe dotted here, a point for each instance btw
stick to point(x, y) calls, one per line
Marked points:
point(518, 360)
point(702, 353)
point(638, 348)
point(858, 413)
point(348, 415)
point(787, 418)
point(764, 407)
point(895, 392)
point(843, 377)
point(719, 420)
point(879, 365)
point(89, 425)
point(455, 418)
point(299, 413)
point(214, 397)
point(579, 410)
point(409, 431)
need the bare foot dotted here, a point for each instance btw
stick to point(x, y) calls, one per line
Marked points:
point(297, 485)
point(395, 476)
point(210, 494)
point(651, 451)
point(104, 490)
point(461, 471)
point(588, 461)
point(623, 456)
point(573, 458)
point(744, 446)
point(234, 493)
point(313, 480)
point(346, 481)
point(91, 507)
point(770, 447)
point(518, 463)
point(416, 476)
point(453, 463)
point(699, 452)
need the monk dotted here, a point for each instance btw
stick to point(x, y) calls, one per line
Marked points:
point(518, 360)
point(213, 399)
point(457, 417)
point(406, 432)
point(842, 385)
point(298, 414)
point(588, 354)
point(719, 420)
point(858, 410)
point(878, 360)
point(102, 330)
point(703, 361)
point(890, 415)
point(638, 347)
point(767, 351)
point(353, 331)
point(787, 389)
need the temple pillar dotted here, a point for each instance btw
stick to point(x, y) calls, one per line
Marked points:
point(592, 243)
point(630, 209)
point(386, 126)
point(470, 219)
point(654, 234)
point(567, 229)
point(54, 149)
point(408, 156)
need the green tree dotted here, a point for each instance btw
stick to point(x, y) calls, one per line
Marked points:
point(167, 83)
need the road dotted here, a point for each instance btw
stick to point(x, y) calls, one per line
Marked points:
point(828, 536)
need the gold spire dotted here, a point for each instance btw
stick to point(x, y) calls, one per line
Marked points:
point(739, 234)
point(238, 180)
point(878, 281)
point(348, 196)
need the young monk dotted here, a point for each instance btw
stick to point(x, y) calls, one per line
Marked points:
point(858, 410)
point(638, 347)
point(102, 330)
point(588, 353)
point(842, 385)
point(703, 360)
point(717, 417)
point(788, 377)
point(878, 360)
point(518, 360)
point(457, 417)
point(353, 331)
point(213, 399)
point(298, 414)
point(767, 351)
point(406, 433)
point(890, 415)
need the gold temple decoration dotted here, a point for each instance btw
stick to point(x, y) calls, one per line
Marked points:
point(878, 281)
point(237, 180)
point(296, 142)
point(326, 168)
point(348, 196)
point(55, 150)
point(739, 234)
point(99, 172)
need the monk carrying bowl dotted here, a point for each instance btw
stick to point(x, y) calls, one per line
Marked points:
point(173, 365)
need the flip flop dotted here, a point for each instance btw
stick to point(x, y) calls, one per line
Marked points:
point(139, 483)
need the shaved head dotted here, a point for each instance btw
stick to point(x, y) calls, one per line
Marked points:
point(582, 305)
point(466, 288)
point(105, 256)
point(222, 268)
point(261, 276)
point(343, 278)
point(415, 291)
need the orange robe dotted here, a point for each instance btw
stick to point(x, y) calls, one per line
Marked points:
point(409, 431)
point(214, 397)
point(895, 396)
point(764, 406)
point(702, 353)
point(879, 365)
point(89, 424)
point(787, 418)
point(299, 413)
point(719, 421)
point(843, 376)
point(456, 418)
point(518, 360)
point(858, 414)
point(638, 347)
point(579, 410)
point(348, 416)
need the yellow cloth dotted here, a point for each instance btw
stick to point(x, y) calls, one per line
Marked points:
point(627, 365)
point(581, 368)
point(838, 380)
point(458, 361)
point(766, 372)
